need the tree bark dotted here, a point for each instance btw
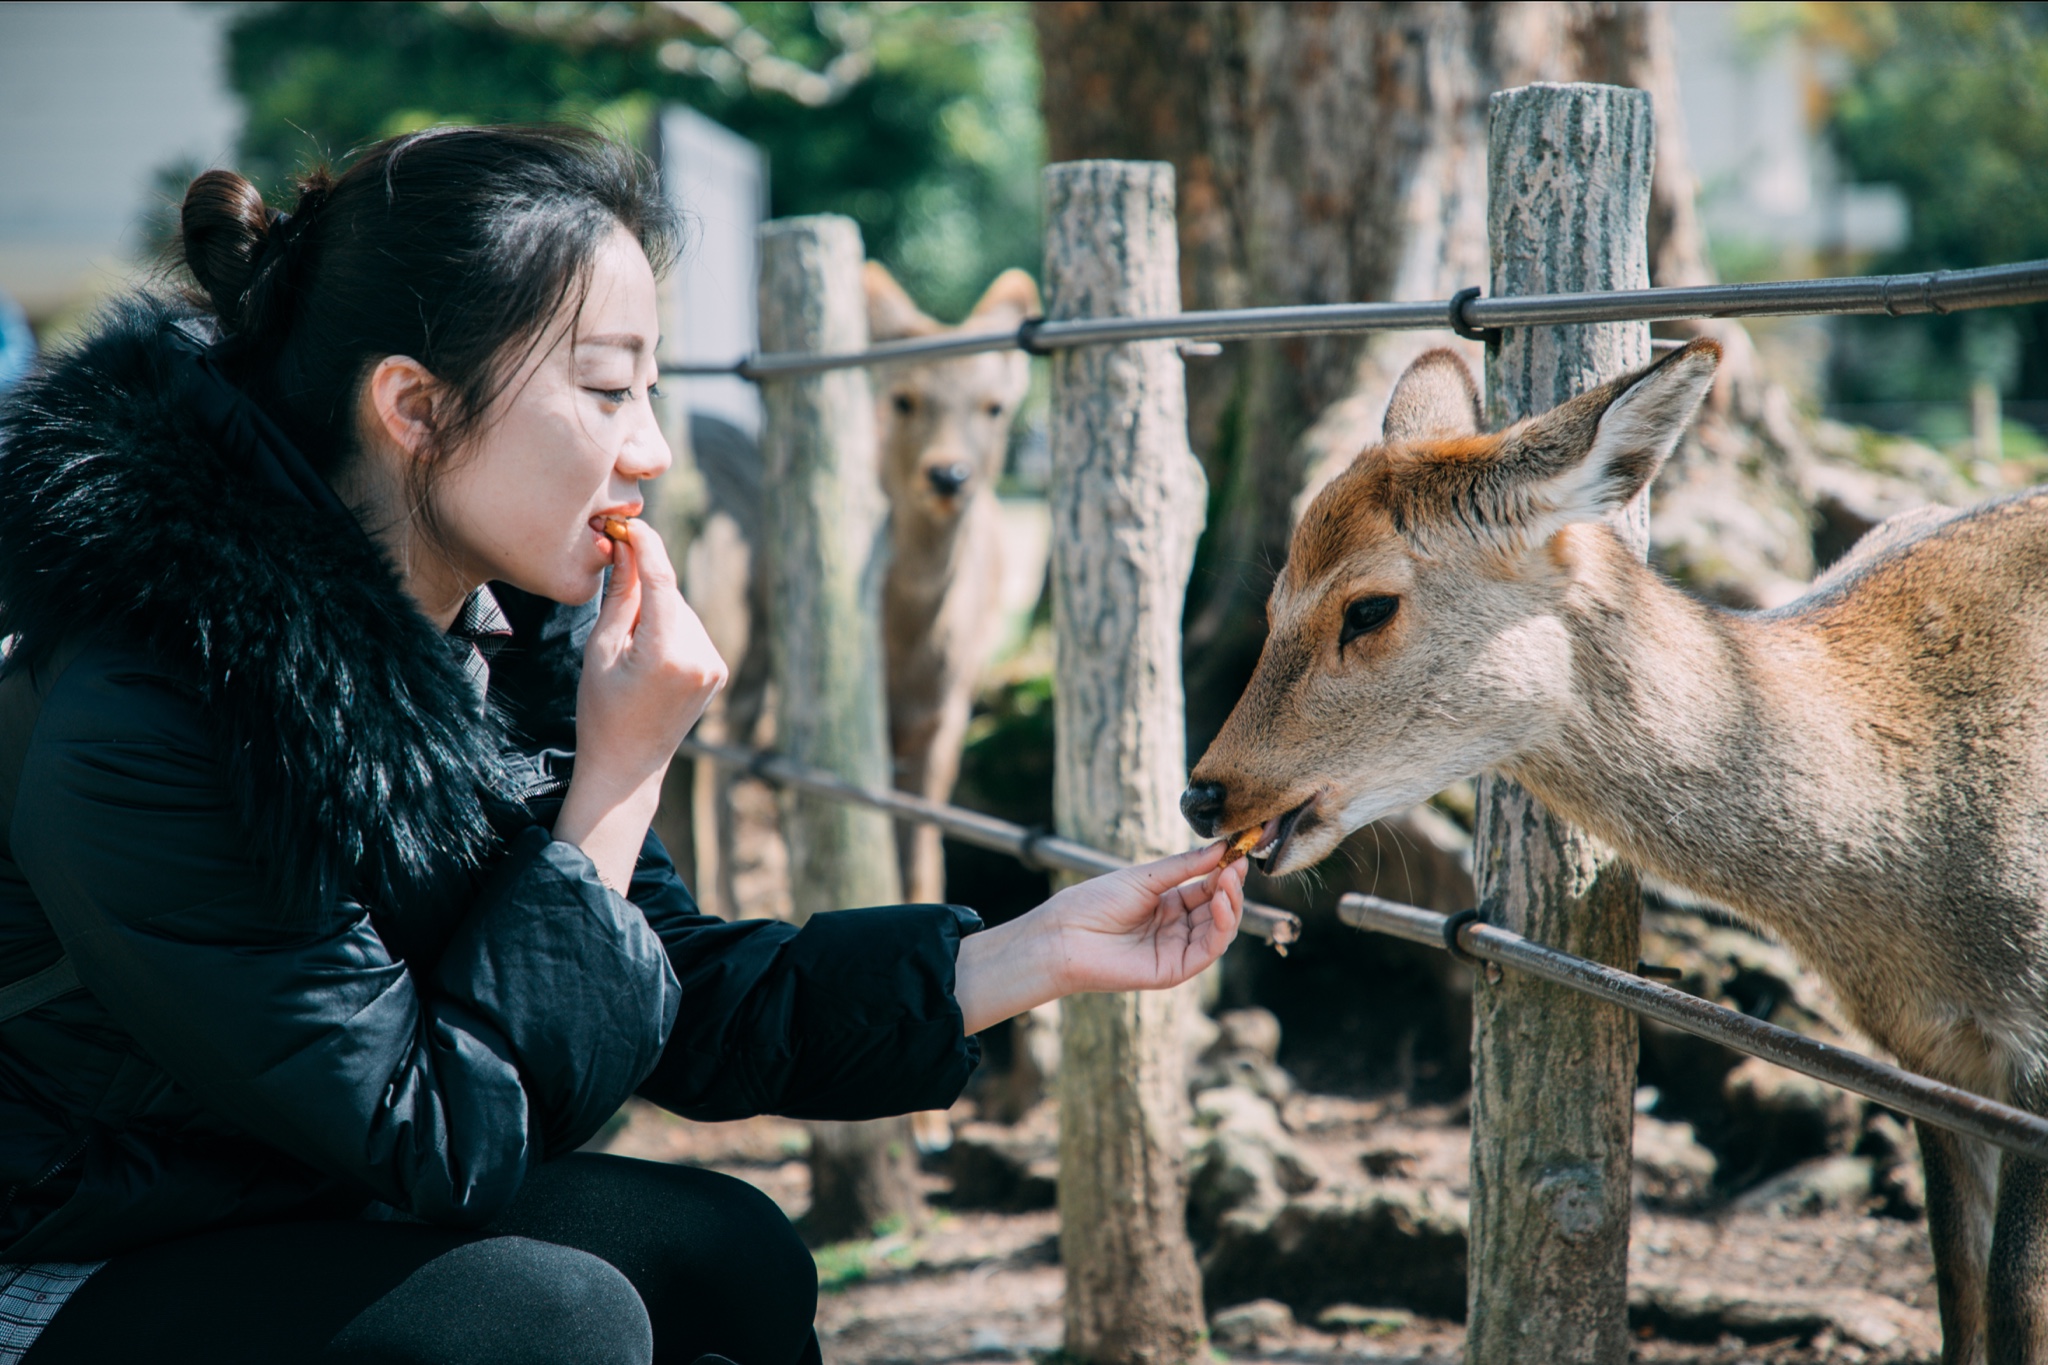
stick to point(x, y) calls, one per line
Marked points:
point(1127, 506)
point(825, 554)
point(1553, 1073)
point(1326, 154)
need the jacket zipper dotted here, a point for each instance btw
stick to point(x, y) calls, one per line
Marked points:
point(19, 1188)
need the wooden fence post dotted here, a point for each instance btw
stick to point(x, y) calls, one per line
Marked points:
point(825, 520)
point(1553, 1073)
point(1128, 501)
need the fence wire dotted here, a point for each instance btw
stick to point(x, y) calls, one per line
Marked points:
point(1934, 1102)
point(1467, 313)
point(1034, 848)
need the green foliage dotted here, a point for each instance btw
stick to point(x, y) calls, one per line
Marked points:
point(935, 151)
point(1950, 103)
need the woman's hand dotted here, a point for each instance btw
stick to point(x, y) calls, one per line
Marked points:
point(1142, 928)
point(649, 670)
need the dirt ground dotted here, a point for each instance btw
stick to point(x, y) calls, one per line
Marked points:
point(1737, 1284)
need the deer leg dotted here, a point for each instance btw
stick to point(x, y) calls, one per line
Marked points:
point(912, 746)
point(1960, 1175)
point(2016, 1288)
point(925, 865)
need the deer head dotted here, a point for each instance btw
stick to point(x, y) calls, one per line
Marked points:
point(1418, 632)
point(945, 426)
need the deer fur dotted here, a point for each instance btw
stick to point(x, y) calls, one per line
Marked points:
point(943, 429)
point(1862, 772)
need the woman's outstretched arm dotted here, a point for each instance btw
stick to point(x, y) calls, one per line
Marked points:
point(1144, 928)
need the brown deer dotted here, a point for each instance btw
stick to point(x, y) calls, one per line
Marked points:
point(944, 428)
point(1863, 771)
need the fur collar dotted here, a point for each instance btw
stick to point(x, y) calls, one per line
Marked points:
point(138, 493)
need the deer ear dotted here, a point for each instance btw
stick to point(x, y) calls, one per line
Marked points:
point(891, 314)
point(1010, 298)
point(1434, 400)
point(1635, 433)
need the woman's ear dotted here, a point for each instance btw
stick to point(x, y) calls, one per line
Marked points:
point(400, 401)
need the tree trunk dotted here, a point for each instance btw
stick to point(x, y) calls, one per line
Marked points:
point(825, 552)
point(1326, 154)
point(1553, 1073)
point(1127, 501)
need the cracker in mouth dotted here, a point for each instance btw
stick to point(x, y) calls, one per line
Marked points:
point(1242, 844)
point(616, 528)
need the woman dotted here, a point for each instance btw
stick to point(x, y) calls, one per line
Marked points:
point(325, 869)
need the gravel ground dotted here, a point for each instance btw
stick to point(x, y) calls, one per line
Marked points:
point(1836, 1286)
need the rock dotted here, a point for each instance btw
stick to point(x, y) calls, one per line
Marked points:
point(1395, 1244)
point(1255, 1032)
point(1692, 1311)
point(1383, 1162)
point(1240, 1071)
point(1835, 1182)
point(1249, 1326)
point(1240, 1052)
point(1671, 1170)
point(1243, 1162)
point(1350, 1317)
point(1230, 1173)
point(1899, 1185)
point(1010, 1170)
point(1778, 1118)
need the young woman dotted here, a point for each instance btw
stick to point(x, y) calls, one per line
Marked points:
point(325, 874)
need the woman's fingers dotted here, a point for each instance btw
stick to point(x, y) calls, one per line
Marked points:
point(1163, 874)
point(619, 609)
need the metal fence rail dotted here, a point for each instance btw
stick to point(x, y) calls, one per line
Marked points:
point(1033, 848)
point(1931, 1101)
point(1934, 291)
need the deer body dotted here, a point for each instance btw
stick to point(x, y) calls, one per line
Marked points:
point(1863, 772)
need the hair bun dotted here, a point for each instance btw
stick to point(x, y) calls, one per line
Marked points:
point(224, 224)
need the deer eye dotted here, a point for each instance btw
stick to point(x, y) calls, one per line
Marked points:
point(1365, 616)
point(904, 404)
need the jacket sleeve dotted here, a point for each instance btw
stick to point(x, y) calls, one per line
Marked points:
point(432, 1092)
point(850, 1017)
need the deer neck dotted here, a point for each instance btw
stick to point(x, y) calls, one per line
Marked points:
point(1713, 748)
point(927, 553)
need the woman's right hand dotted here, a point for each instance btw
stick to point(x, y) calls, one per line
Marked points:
point(649, 670)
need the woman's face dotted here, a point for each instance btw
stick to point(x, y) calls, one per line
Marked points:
point(566, 445)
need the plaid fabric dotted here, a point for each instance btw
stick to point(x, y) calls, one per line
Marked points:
point(30, 1296)
point(483, 625)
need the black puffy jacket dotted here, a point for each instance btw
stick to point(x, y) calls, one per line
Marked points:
point(330, 955)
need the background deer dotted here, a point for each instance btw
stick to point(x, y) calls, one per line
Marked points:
point(944, 429)
point(1863, 772)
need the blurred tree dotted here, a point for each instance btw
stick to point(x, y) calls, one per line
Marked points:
point(1950, 103)
point(919, 121)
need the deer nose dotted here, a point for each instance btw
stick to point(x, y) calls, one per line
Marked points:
point(948, 479)
point(1201, 805)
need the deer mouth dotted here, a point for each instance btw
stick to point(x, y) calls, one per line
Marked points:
point(1273, 837)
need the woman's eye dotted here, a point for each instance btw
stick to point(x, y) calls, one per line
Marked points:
point(614, 395)
point(654, 390)
point(1367, 615)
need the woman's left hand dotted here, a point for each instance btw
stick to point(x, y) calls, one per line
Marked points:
point(1142, 928)
point(1150, 926)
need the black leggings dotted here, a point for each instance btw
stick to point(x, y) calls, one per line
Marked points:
point(600, 1260)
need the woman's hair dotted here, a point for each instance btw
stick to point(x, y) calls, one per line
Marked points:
point(455, 247)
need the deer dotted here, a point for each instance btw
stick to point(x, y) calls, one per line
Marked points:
point(1862, 771)
point(943, 430)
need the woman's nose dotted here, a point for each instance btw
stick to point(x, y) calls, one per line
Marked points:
point(646, 455)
